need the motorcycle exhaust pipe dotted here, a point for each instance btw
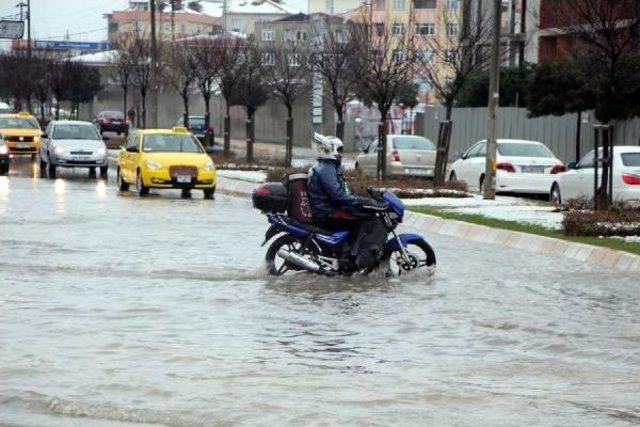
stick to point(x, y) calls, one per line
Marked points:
point(298, 260)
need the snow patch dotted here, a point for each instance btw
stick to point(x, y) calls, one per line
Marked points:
point(248, 176)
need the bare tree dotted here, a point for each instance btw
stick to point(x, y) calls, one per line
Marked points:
point(180, 74)
point(59, 81)
point(252, 90)
point(287, 74)
point(122, 68)
point(139, 49)
point(204, 53)
point(447, 61)
point(383, 65)
point(229, 62)
point(43, 61)
point(331, 57)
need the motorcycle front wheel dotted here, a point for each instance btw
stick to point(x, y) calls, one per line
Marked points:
point(420, 253)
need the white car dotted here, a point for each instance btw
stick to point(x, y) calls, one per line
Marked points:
point(522, 167)
point(408, 155)
point(73, 144)
point(577, 182)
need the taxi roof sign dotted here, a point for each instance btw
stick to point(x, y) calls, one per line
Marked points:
point(24, 114)
point(179, 129)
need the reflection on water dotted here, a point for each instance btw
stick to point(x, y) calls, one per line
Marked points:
point(159, 311)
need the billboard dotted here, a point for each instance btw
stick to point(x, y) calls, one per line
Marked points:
point(11, 29)
point(70, 45)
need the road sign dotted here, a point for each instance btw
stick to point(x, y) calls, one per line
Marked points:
point(70, 45)
point(11, 29)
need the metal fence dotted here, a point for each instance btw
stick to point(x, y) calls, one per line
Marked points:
point(558, 133)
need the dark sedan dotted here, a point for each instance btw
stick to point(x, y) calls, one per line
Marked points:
point(111, 121)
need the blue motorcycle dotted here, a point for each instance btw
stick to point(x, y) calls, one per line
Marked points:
point(303, 247)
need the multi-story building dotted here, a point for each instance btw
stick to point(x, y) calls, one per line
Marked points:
point(240, 16)
point(300, 27)
point(136, 20)
point(334, 7)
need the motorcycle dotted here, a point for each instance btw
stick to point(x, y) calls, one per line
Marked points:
point(303, 247)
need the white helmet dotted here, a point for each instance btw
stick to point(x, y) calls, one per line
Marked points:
point(329, 147)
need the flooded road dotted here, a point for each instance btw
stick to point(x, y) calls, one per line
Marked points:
point(116, 310)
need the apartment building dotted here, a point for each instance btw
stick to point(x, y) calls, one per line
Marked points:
point(241, 16)
point(334, 7)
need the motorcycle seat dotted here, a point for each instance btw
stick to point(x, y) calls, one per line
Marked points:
point(310, 227)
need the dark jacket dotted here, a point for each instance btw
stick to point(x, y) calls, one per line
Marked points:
point(327, 191)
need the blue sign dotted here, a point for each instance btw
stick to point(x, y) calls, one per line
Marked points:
point(69, 45)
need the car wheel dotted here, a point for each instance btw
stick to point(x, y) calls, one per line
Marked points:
point(554, 197)
point(4, 170)
point(453, 177)
point(142, 190)
point(104, 172)
point(52, 171)
point(209, 193)
point(122, 184)
point(186, 194)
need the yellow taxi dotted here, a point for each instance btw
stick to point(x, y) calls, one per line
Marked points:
point(21, 133)
point(165, 158)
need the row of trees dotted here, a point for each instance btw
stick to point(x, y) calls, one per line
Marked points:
point(47, 77)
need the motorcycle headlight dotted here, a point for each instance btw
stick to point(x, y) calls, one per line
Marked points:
point(58, 150)
point(209, 166)
point(153, 165)
point(4, 149)
point(101, 151)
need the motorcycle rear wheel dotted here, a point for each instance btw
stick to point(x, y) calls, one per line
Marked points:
point(420, 253)
point(277, 266)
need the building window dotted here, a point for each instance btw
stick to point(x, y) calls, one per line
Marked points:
point(267, 34)
point(398, 4)
point(452, 4)
point(426, 56)
point(426, 4)
point(379, 5)
point(379, 28)
point(268, 59)
point(452, 30)
point(236, 25)
point(398, 55)
point(425, 29)
point(450, 56)
point(293, 59)
point(398, 28)
point(301, 36)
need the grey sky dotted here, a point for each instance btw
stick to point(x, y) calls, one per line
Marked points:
point(53, 18)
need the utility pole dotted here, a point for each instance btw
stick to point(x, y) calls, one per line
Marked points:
point(154, 67)
point(224, 17)
point(29, 28)
point(494, 98)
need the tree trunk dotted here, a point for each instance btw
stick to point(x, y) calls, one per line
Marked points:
point(57, 109)
point(124, 103)
point(185, 103)
point(578, 131)
point(340, 125)
point(41, 112)
point(207, 120)
point(250, 133)
point(444, 142)
point(289, 138)
point(382, 147)
point(143, 113)
point(227, 131)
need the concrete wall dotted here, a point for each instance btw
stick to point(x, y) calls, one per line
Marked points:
point(558, 133)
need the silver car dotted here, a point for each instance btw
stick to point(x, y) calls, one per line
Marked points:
point(73, 144)
point(408, 155)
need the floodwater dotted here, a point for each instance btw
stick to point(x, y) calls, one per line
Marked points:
point(116, 310)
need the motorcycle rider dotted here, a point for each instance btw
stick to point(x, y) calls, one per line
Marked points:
point(332, 206)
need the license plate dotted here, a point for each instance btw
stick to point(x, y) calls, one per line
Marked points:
point(81, 158)
point(415, 171)
point(183, 179)
point(23, 145)
point(533, 169)
point(116, 122)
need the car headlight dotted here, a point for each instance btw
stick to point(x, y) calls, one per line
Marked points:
point(58, 150)
point(101, 151)
point(36, 139)
point(209, 166)
point(153, 165)
point(4, 149)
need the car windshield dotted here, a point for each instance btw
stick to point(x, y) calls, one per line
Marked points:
point(509, 149)
point(112, 114)
point(74, 132)
point(197, 121)
point(18, 123)
point(631, 159)
point(171, 143)
point(413, 143)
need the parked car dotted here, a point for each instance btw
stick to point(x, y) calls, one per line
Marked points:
point(72, 144)
point(21, 132)
point(577, 182)
point(165, 158)
point(408, 155)
point(4, 157)
point(527, 167)
point(111, 121)
point(196, 126)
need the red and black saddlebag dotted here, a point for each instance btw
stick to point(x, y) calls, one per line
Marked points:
point(298, 207)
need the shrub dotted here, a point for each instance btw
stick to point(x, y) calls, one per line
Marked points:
point(617, 221)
